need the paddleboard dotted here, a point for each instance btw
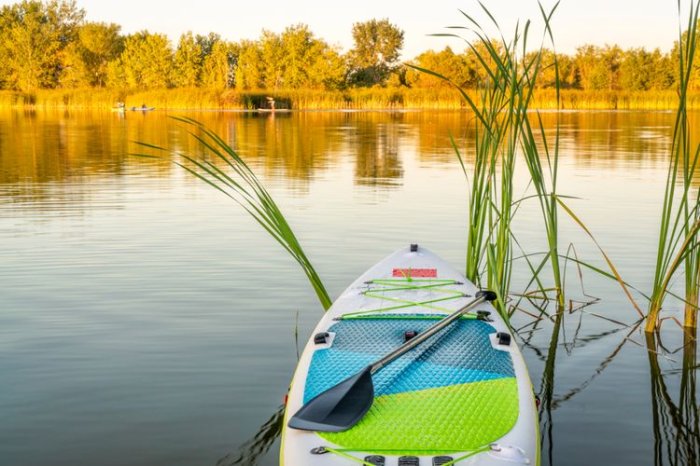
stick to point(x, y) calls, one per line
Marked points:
point(461, 397)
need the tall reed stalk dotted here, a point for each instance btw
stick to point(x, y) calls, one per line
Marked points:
point(544, 181)
point(692, 273)
point(678, 241)
point(491, 195)
point(229, 174)
point(502, 128)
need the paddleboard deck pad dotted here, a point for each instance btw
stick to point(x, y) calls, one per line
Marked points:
point(462, 397)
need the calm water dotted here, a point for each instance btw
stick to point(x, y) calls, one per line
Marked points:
point(145, 320)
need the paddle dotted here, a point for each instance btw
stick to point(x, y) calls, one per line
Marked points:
point(343, 405)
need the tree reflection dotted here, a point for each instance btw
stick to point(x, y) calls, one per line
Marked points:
point(377, 147)
point(40, 147)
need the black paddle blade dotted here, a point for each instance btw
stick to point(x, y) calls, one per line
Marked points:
point(338, 408)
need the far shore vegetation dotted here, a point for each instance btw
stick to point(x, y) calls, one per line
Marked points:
point(51, 57)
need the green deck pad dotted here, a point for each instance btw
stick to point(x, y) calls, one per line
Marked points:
point(435, 421)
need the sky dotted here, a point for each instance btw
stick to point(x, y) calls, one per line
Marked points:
point(628, 23)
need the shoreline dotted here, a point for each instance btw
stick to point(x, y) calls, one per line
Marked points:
point(287, 101)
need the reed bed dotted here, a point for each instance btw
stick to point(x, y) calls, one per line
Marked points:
point(438, 98)
point(503, 128)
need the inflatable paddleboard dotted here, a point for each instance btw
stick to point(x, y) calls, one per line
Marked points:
point(461, 397)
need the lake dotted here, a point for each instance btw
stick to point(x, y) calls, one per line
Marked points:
point(145, 319)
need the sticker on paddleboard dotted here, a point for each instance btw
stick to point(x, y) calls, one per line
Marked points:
point(415, 273)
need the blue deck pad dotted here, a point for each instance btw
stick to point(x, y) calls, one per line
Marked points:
point(461, 353)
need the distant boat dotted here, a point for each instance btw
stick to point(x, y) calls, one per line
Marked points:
point(142, 108)
point(273, 110)
point(121, 108)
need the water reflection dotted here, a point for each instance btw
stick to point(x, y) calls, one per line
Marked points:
point(676, 421)
point(67, 163)
point(546, 393)
point(548, 332)
point(258, 445)
point(612, 138)
point(377, 159)
point(39, 147)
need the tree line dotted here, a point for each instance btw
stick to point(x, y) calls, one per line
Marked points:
point(49, 44)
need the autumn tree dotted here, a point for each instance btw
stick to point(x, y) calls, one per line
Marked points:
point(598, 68)
point(33, 37)
point(188, 60)
point(219, 64)
point(445, 63)
point(86, 59)
point(551, 68)
point(307, 62)
point(249, 69)
point(636, 70)
point(584, 65)
point(271, 60)
point(295, 44)
point(74, 73)
point(607, 73)
point(327, 70)
point(662, 75)
point(567, 71)
point(146, 62)
point(694, 78)
point(376, 52)
point(206, 43)
point(478, 58)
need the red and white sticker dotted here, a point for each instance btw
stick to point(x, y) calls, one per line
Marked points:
point(415, 273)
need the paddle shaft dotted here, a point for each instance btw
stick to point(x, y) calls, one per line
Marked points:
point(421, 337)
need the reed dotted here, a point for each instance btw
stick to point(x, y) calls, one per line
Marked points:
point(234, 178)
point(478, 193)
point(544, 181)
point(692, 271)
point(11, 99)
point(678, 242)
point(54, 98)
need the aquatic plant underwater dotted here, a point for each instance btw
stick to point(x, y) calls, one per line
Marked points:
point(508, 132)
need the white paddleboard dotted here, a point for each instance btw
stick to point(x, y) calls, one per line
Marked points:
point(462, 397)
